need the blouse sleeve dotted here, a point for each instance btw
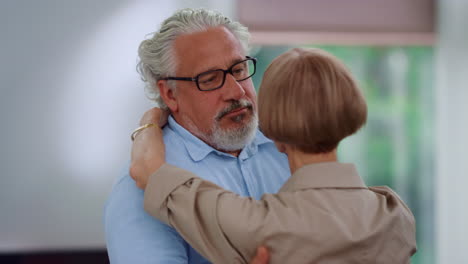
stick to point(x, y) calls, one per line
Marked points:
point(220, 225)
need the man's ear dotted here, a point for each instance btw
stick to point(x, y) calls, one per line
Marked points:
point(168, 96)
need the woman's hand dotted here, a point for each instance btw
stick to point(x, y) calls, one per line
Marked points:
point(148, 150)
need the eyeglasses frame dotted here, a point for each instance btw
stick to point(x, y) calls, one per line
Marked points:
point(195, 79)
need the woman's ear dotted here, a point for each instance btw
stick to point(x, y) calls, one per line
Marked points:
point(168, 95)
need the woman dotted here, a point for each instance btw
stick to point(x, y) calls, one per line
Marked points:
point(308, 102)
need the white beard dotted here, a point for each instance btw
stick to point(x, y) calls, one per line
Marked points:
point(234, 139)
point(228, 139)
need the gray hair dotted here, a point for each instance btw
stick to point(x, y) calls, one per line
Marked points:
point(157, 54)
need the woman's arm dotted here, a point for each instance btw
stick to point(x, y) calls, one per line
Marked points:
point(219, 224)
point(148, 155)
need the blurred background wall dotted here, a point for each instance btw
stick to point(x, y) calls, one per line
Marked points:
point(70, 97)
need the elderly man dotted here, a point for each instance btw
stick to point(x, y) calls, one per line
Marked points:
point(197, 66)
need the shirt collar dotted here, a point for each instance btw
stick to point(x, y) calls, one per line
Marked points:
point(198, 150)
point(324, 175)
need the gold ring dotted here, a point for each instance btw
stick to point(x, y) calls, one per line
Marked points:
point(138, 130)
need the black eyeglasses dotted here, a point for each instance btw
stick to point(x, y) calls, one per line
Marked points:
point(214, 79)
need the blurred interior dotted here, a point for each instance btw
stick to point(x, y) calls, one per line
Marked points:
point(70, 97)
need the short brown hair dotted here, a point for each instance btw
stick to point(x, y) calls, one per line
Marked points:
point(309, 99)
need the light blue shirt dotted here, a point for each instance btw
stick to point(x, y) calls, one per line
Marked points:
point(133, 236)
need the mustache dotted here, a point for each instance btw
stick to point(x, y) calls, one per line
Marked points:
point(236, 104)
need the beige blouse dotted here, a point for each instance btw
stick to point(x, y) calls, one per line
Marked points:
point(323, 214)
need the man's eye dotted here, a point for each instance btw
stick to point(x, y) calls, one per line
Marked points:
point(238, 71)
point(208, 80)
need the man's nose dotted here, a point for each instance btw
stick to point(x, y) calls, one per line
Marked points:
point(233, 90)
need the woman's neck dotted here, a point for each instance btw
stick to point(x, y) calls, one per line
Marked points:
point(298, 159)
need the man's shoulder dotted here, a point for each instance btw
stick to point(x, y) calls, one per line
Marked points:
point(124, 191)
